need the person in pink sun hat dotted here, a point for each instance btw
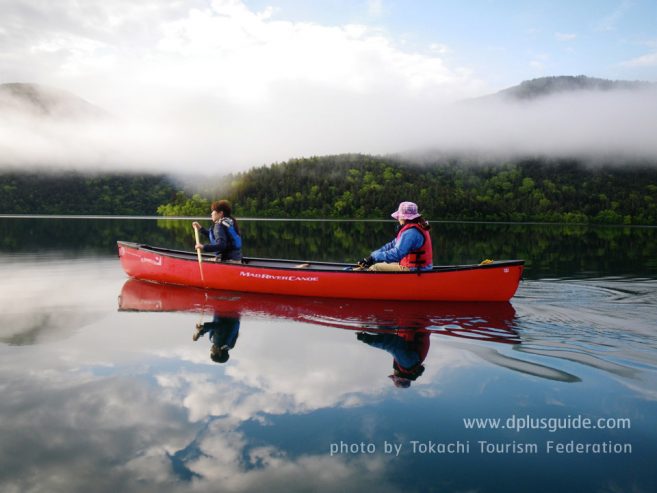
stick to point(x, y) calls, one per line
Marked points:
point(410, 250)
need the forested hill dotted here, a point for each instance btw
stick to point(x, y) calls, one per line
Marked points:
point(78, 193)
point(46, 102)
point(360, 186)
point(549, 86)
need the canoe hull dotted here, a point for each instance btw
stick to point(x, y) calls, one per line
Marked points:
point(493, 282)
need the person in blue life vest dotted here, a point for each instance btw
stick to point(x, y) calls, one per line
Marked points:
point(224, 234)
point(223, 332)
point(409, 348)
point(410, 250)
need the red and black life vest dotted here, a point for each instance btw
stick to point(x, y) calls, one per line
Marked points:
point(419, 341)
point(417, 259)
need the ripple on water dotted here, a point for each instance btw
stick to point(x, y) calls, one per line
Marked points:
point(604, 323)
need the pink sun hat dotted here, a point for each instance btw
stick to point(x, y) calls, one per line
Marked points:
point(406, 211)
point(400, 382)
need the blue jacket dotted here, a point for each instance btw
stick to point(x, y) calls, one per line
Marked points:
point(397, 249)
point(403, 353)
point(223, 330)
point(225, 243)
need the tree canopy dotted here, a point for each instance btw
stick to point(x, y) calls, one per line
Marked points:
point(369, 187)
point(78, 193)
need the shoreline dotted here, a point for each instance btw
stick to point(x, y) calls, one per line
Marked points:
point(276, 219)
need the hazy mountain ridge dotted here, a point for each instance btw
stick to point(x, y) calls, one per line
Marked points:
point(48, 102)
point(548, 86)
point(553, 117)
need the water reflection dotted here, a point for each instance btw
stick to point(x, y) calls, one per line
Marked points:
point(409, 349)
point(119, 399)
point(483, 321)
point(550, 250)
point(403, 329)
point(222, 332)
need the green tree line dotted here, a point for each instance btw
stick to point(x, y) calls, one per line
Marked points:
point(362, 187)
point(79, 193)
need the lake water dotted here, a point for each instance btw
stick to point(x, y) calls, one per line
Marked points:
point(103, 387)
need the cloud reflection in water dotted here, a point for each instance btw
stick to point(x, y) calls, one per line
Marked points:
point(129, 399)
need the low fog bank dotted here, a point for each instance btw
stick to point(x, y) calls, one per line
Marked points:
point(203, 134)
point(619, 125)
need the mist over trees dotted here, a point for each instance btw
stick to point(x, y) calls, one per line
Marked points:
point(369, 187)
point(359, 187)
point(547, 86)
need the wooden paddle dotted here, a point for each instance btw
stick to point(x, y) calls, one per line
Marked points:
point(198, 252)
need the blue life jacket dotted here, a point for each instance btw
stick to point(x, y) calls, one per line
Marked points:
point(235, 238)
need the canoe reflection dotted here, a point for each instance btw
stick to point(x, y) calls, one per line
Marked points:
point(402, 328)
point(483, 321)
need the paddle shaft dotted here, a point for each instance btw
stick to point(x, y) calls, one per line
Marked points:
point(198, 252)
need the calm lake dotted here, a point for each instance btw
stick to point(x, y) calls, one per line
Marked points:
point(108, 386)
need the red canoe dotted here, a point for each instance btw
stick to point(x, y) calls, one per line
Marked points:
point(496, 281)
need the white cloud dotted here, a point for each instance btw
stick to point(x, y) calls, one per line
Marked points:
point(196, 87)
point(649, 60)
point(565, 36)
point(225, 48)
point(375, 7)
point(245, 57)
point(114, 432)
point(439, 48)
point(217, 84)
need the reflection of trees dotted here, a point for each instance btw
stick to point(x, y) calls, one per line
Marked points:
point(317, 240)
point(563, 250)
point(75, 235)
point(550, 250)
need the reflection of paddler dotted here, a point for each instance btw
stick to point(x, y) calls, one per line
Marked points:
point(223, 332)
point(408, 347)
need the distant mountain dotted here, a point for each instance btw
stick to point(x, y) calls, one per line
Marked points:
point(548, 86)
point(43, 101)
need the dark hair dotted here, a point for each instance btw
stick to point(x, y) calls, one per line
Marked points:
point(219, 355)
point(225, 207)
point(222, 206)
point(409, 373)
point(421, 221)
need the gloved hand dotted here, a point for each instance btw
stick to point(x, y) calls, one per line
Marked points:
point(365, 337)
point(366, 262)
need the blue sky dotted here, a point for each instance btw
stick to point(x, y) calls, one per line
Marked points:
point(505, 42)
